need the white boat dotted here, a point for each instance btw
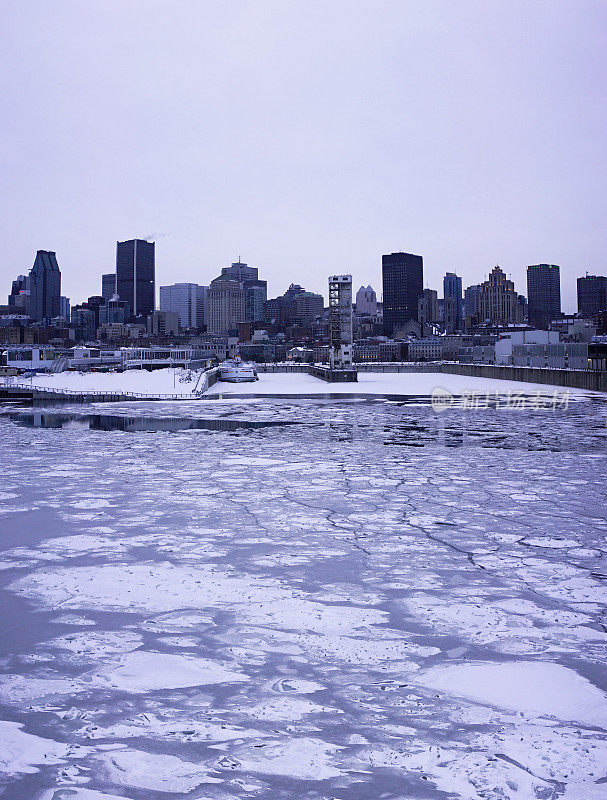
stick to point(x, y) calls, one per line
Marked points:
point(236, 370)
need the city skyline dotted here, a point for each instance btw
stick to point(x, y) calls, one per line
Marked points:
point(289, 279)
point(470, 134)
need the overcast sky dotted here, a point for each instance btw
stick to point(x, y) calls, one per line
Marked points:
point(306, 137)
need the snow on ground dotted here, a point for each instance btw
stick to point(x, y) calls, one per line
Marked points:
point(158, 381)
point(376, 383)
point(182, 382)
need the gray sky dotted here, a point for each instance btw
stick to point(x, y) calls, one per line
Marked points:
point(307, 137)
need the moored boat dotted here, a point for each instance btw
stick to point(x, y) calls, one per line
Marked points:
point(236, 370)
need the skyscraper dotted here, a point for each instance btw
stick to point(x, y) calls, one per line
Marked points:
point(135, 275)
point(403, 284)
point(452, 290)
point(543, 294)
point(238, 271)
point(471, 296)
point(226, 303)
point(256, 290)
point(187, 300)
point(64, 308)
point(591, 295)
point(18, 286)
point(108, 286)
point(497, 299)
point(366, 300)
point(44, 287)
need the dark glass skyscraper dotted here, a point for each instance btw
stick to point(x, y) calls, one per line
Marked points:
point(45, 287)
point(135, 275)
point(543, 294)
point(591, 295)
point(403, 285)
point(108, 285)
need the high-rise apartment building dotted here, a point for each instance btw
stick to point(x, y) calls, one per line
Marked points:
point(187, 300)
point(452, 291)
point(497, 300)
point(591, 295)
point(543, 294)
point(403, 284)
point(471, 296)
point(256, 296)
point(64, 308)
point(108, 285)
point(135, 275)
point(226, 305)
point(44, 283)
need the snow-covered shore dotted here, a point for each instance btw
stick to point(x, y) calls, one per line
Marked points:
point(183, 382)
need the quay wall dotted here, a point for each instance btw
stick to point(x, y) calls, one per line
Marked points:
point(589, 380)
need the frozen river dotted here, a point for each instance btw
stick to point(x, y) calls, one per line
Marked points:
point(371, 601)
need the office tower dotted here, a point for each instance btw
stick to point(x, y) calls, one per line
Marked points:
point(366, 300)
point(591, 295)
point(427, 308)
point(471, 296)
point(16, 298)
point(112, 311)
point(163, 323)
point(340, 321)
point(256, 290)
point(497, 299)
point(83, 323)
point(543, 294)
point(283, 309)
point(521, 308)
point(187, 300)
point(452, 290)
point(108, 285)
point(45, 287)
point(403, 284)
point(256, 296)
point(226, 305)
point(307, 307)
point(64, 308)
point(95, 302)
point(135, 275)
point(240, 272)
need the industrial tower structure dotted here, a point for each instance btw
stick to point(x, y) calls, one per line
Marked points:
point(340, 321)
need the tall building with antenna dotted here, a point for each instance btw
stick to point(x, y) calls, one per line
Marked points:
point(135, 276)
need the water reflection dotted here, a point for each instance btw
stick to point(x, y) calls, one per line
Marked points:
point(107, 422)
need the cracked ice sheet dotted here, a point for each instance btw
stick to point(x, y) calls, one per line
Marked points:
point(326, 575)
